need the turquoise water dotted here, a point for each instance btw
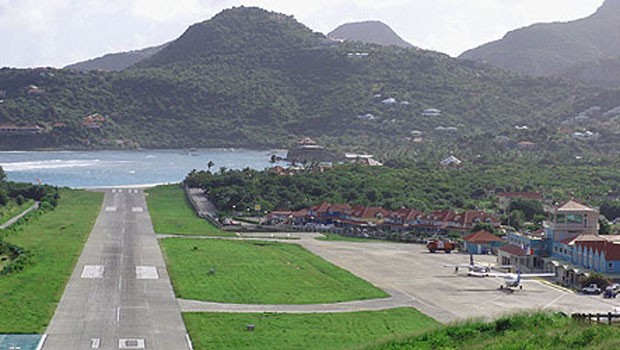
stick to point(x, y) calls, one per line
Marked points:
point(123, 168)
point(19, 341)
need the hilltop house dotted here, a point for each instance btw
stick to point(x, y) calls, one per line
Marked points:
point(451, 161)
point(431, 112)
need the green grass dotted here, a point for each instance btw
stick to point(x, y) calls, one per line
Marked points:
point(28, 298)
point(172, 213)
point(334, 237)
point(305, 331)
point(255, 272)
point(538, 331)
point(11, 210)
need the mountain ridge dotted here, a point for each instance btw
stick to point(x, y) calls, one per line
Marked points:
point(546, 49)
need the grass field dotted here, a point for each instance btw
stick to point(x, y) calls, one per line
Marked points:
point(539, 331)
point(172, 213)
point(11, 210)
point(305, 331)
point(28, 298)
point(258, 273)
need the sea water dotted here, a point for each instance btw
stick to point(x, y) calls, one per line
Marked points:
point(91, 169)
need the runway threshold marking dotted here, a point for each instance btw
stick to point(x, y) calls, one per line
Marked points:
point(131, 343)
point(146, 273)
point(92, 271)
point(109, 209)
point(95, 343)
point(137, 209)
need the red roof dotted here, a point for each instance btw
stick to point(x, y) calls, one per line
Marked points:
point(473, 216)
point(482, 236)
point(611, 249)
point(513, 249)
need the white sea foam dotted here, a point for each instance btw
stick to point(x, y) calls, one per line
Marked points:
point(52, 164)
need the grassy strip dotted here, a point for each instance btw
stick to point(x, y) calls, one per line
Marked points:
point(258, 273)
point(539, 331)
point(172, 213)
point(55, 240)
point(11, 210)
point(305, 331)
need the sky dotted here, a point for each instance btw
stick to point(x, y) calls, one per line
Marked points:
point(54, 33)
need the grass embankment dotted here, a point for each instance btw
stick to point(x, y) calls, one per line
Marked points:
point(171, 213)
point(258, 273)
point(539, 331)
point(12, 209)
point(309, 331)
point(28, 298)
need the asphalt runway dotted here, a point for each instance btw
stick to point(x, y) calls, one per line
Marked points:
point(119, 295)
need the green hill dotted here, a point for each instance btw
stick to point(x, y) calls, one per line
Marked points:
point(253, 78)
point(549, 48)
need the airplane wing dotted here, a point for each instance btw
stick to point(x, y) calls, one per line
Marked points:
point(487, 274)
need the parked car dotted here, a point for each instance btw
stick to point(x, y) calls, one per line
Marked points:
point(612, 291)
point(591, 289)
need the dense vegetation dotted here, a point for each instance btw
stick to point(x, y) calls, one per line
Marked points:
point(257, 272)
point(423, 186)
point(539, 331)
point(253, 78)
point(307, 331)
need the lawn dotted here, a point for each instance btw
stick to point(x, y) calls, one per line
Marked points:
point(28, 298)
point(12, 209)
point(172, 213)
point(252, 272)
point(302, 331)
point(538, 331)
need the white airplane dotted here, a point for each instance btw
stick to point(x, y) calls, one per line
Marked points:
point(512, 280)
point(471, 267)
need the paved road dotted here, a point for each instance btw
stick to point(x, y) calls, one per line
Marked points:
point(17, 217)
point(119, 295)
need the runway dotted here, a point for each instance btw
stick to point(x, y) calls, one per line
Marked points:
point(119, 295)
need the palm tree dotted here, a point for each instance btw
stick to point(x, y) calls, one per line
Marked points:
point(210, 165)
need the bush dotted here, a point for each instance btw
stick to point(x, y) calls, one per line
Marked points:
point(20, 200)
point(596, 278)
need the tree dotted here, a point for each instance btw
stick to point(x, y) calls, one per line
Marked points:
point(604, 226)
point(516, 219)
point(4, 199)
point(596, 278)
point(210, 165)
point(2, 175)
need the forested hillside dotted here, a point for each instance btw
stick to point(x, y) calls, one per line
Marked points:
point(253, 78)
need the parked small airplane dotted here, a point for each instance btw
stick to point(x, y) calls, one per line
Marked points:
point(512, 280)
point(471, 267)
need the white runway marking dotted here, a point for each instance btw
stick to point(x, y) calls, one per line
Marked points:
point(131, 344)
point(146, 273)
point(95, 343)
point(118, 314)
point(92, 271)
point(114, 190)
point(137, 209)
point(110, 209)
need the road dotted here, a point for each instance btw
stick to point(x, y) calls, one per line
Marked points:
point(119, 295)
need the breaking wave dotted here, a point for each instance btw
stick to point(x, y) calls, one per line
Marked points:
point(55, 164)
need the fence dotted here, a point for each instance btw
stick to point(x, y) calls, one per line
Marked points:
point(596, 318)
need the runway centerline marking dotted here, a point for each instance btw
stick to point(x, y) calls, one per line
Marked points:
point(137, 209)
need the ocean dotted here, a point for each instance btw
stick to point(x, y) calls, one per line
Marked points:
point(95, 169)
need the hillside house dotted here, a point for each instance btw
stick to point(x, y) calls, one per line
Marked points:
point(12, 129)
point(431, 112)
point(451, 161)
